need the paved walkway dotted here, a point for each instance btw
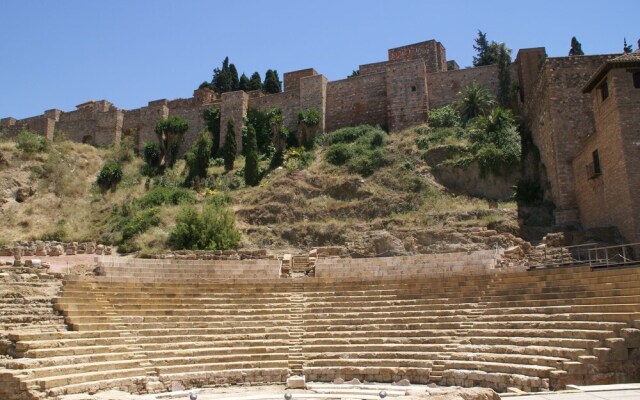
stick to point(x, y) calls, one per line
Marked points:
point(601, 392)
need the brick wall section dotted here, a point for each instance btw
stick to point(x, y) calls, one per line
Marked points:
point(96, 122)
point(373, 68)
point(431, 52)
point(528, 64)
point(313, 95)
point(234, 108)
point(292, 79)
point(288, 102)
point(43, 124)
point(613, 198)
point(560, 116)
point(357, 100)
point(444, 86)
point(142, 121)
point(407, 97)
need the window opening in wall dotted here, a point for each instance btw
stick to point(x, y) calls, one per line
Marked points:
point(594, 170)
point(636, 80)
point(413, 88)
point(604, 90)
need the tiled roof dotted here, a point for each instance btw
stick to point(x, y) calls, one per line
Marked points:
point(622, 61)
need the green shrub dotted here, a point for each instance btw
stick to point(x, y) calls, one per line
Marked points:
point(164, 195)
point(528, 192)
point(377, 139)
point(123, 151)
point(444, 117)
point(347, 135)
point(338, 154)
point(422, 142)
point(141, 221)
point(368, 161)
point(212, 229)
point(31, 142)
point(109, 175)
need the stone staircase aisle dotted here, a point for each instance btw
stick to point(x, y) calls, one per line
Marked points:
point(296, 327)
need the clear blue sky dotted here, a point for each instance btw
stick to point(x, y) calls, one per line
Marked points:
point(56, 54)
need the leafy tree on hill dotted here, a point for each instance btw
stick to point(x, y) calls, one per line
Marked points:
point(170, 132)
point(229, 148)
point(272, 82)
point(576, 48)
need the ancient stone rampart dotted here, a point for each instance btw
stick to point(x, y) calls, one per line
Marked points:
point(394, 94)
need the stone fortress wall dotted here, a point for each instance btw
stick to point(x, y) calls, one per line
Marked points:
point(394, 94)
point(398, 93)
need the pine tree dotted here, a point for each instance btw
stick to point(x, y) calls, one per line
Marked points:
point(487, 51)
point(251, 173)
point(255, 83)
point(626, 48)
point(272, 83)
point(244, 82)
point(229, 149)
point(576, 48)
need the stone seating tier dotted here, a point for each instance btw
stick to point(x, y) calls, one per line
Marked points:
point(534, 330)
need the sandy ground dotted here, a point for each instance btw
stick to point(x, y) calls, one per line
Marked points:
point(63, 264)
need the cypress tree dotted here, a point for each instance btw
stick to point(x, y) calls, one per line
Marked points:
point(229, 149)
point(504, 75)
point(234, 82)
point(255, 83)
point(576, 48)
point(211, 118)
point(244, 83)
point(251, 173)
point(272, 83)
point(626, 48)
point(198, 157)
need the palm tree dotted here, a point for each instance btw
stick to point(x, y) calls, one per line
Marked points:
point(475, 100)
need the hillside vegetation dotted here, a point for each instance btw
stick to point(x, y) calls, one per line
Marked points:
point(357, 187)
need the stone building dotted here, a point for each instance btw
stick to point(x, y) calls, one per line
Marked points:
point(607, 167)
point(589, 143)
